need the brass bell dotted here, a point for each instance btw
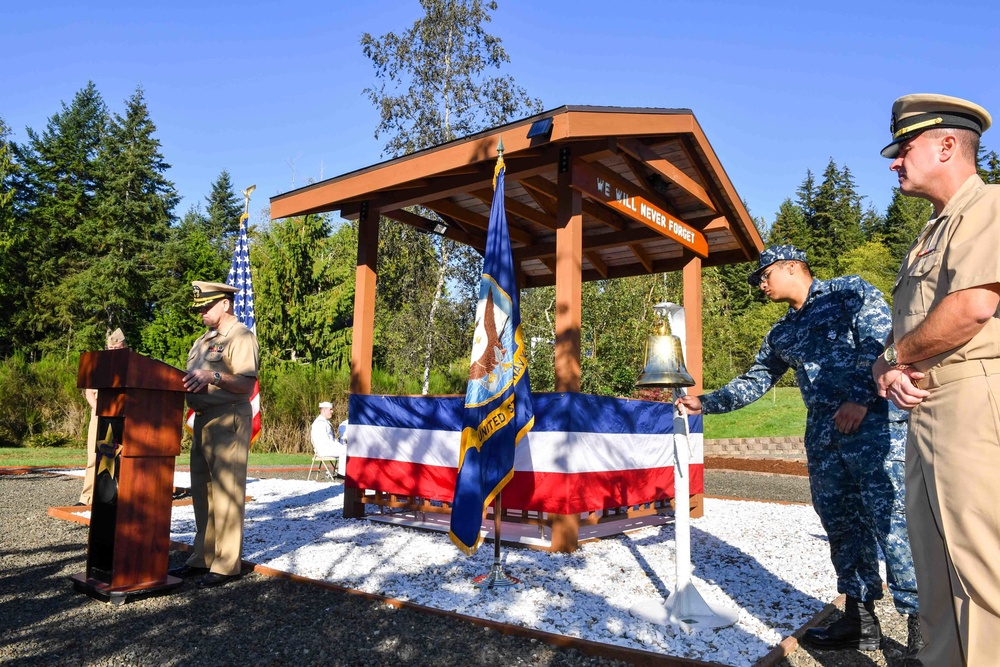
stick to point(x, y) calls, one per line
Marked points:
point(664, 357)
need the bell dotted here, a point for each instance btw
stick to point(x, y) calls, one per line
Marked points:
point(664, 357)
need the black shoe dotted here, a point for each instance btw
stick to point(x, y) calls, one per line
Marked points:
point(914, 640)
point(857, 629)
point(186, 570)
point(80, 504)
point(216, 579)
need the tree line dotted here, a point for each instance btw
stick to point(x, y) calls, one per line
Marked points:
point(90, 240)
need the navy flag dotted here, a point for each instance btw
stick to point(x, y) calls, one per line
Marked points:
point(498, 398)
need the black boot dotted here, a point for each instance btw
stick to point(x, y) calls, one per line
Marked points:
point(858, 629)
point(914, 641)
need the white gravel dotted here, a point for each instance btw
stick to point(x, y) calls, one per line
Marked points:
point(771, 561)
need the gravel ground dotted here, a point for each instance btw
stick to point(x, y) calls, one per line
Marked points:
point(262, 620)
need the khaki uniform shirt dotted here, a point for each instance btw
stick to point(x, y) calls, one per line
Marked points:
point(234, 352)
point(957, 250)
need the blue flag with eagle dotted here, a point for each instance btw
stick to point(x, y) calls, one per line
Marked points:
point(498, 397)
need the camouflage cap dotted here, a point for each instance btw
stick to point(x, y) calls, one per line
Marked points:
point(913, 114)
point(772, 254)
point(206, 293)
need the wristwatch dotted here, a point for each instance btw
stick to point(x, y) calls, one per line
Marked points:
point(891, 358)
point(216, 378)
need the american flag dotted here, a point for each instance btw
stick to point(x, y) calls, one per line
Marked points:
point(239, 276)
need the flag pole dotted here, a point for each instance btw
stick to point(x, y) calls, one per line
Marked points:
point(496, 577)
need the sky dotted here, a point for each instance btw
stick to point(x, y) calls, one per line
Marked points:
point(273, 92)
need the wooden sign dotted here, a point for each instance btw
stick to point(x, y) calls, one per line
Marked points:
point(617, 193)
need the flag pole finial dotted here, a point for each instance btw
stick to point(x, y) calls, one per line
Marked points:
point(500, 165)
point(246, 203)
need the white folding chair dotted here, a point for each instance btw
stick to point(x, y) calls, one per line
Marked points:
point(321, 461)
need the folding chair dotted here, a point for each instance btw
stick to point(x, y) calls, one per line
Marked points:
point(321, 461)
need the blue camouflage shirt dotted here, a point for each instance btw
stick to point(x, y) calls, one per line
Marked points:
point(831, 342)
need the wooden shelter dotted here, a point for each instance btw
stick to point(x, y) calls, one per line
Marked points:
point(591, 193)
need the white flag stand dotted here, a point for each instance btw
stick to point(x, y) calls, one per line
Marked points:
point(684, 607)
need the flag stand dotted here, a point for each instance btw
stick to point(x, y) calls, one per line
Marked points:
point(496, 577)
point(685, 607)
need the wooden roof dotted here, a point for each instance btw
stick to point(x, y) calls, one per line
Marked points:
point(660, 155)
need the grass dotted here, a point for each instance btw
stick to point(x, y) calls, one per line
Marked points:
point(780, 412)
point(62, 456)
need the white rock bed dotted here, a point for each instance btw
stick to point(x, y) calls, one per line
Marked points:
point(770, 561)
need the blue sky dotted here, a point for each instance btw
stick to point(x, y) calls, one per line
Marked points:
point(272, 91)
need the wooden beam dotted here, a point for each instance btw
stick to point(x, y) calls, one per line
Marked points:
point(477, 241)
point(590, 208)
point(593, 242)
point(635, 166)
point(598, 263)
point(746, 240)
point(517, 208)
point(668, 170)
point(450, 208)
point(609, 189)
point(642, 256)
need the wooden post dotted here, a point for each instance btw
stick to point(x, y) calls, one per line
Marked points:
point(569, 290)
point(569, 281)
point(365, 278)
point(692, 324)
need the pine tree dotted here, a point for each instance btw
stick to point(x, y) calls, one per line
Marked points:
point(125, 238)
point(904, 219)
point(223, 208)
point(11, 242)
point(789, 226)
point(56, 195)
point(989, 165)
point(835, 222)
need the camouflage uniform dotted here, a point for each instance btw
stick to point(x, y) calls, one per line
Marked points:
point(856, 480)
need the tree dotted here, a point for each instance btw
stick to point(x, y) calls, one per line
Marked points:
point(125, 238)
point(56, 196)
point(835, 221)
point(989, 165)
point(433, 85)
point(11, 240)
point(789, 226)
point(904, 218)
point(223, 210)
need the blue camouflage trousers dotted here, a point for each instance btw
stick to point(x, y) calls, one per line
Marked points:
point(857, 489)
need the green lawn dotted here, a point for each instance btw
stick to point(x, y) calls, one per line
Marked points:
point(780, 412)
point(55, 456)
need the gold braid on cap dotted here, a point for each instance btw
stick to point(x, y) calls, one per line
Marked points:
point(917, 126)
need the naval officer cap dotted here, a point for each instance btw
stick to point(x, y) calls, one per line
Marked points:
point(913, 114)
point(326, 405)
point(206, 293)
point(775, 253)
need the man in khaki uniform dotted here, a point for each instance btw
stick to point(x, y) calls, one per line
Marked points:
point(114, 341)
point(942, 362)
point(221, 371)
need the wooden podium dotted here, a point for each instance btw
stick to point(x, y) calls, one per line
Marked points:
point(140, 408)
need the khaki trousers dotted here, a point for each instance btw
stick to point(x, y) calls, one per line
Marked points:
point(953, 514)
point(218, 486)
point(90, 473)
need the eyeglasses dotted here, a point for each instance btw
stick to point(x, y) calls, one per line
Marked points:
point(764, 276)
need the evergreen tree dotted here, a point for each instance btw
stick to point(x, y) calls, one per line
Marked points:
point(989, 165)
point(11, 242)
point(223, 210)
point(123, 241)
point(304, 284)
point(56, 194)
point(835, 222)
point(789, 226)
point(904, 219)
point(187, 255)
